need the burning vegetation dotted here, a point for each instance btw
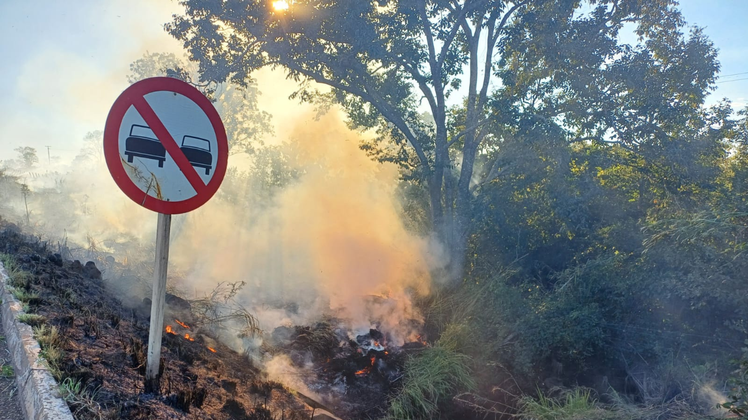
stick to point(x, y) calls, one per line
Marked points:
point(567, 241)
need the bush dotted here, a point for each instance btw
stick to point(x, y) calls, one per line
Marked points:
point(738, 399)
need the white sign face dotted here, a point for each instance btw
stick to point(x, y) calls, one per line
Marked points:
point(165, 145)
point(145, 158)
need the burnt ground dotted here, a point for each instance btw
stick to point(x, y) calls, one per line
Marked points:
point(11, 407)
point(104, 344)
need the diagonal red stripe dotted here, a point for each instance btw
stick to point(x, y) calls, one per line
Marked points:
point(152, 120)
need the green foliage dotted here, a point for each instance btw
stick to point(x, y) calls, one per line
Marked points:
point(431, 377)
point(737, 402)
point(558, 71)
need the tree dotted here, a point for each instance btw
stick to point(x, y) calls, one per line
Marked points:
point(27, 156)
point(519, 62)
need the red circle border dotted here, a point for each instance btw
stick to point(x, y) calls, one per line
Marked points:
point(113, 158)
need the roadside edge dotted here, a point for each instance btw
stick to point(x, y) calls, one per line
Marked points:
point(38, 390)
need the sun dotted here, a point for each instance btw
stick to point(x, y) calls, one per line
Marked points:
point(280, 5)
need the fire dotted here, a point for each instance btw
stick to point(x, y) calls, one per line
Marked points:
point(363, 371)
point(187, 337)
point(212, 349)
point(182, 324)
point(373, 359)
point(170, 330)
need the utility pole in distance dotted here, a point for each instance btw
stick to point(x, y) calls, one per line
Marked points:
point(49, 157)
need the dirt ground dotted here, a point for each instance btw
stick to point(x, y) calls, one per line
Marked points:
point(10, 407)
point(104, 344)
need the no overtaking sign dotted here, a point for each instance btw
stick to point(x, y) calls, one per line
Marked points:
point(166, 148)
point(165, 145)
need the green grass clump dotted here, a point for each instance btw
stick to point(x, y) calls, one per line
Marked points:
point(17, 277)
point(70, 389)
point(48, 336)
point(6, 371)
point(25, 297)
point(80, 399)
point(32, 319)
point(577, 404)
point(50, 341)
point(430, 378)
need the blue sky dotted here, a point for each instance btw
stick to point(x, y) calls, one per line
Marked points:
point(64, 62)
point(725, 22)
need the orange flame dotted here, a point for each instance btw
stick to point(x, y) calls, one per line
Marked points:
point(187, 336)
point(212, 349)
point(182, 324)
point(363, 371)
point(170, 330)
point(373, 359)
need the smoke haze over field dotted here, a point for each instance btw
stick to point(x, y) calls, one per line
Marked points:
point(330, 241)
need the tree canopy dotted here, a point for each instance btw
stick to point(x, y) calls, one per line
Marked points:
point(485, 70)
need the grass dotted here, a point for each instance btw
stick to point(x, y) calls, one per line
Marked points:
point(17, 277)
point(80, 399)
point(32, 319)
point(50, 341)
point(577, 404)
point(48, 336)
point(25, 297)
point(6, 371)
point(430, 378)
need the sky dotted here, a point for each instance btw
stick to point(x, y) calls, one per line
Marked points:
point(64, 63)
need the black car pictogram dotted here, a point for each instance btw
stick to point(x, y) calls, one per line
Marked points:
point(197, 151)
point(143, 143)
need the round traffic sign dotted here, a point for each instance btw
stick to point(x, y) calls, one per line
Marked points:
point(165, 145)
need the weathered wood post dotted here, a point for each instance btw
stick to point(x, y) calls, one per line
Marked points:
point(158, 304)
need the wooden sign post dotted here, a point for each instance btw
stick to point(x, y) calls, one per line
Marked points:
point(166, 148)
point(158, 303)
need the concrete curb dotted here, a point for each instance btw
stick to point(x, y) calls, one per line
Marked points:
point(37, 389)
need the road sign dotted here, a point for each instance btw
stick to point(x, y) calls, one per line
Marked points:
point(166, 148)
point(165, 145)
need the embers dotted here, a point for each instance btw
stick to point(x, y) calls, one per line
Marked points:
point(372, 360)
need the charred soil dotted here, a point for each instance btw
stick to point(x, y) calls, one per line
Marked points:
point(96, 348)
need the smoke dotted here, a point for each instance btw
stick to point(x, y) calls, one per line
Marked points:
point(309, 222)
point(312, 225)
point(331, 242)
